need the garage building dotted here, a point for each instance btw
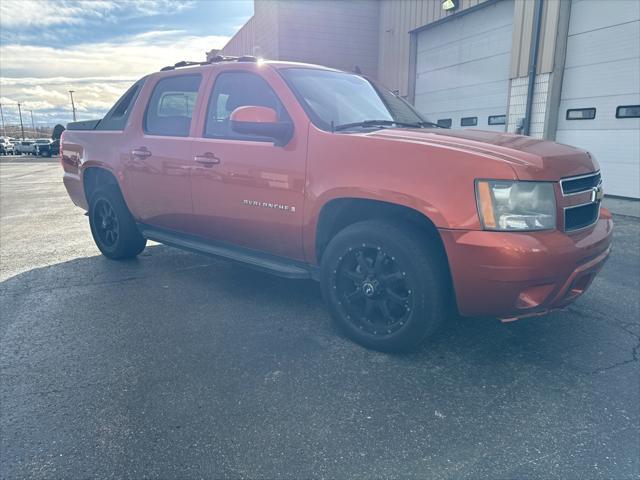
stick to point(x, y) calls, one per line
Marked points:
point(468, 64)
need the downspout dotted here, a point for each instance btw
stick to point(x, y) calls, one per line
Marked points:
point(533, 65)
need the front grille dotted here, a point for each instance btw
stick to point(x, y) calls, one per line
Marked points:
point(581, 216)
point(584, 183)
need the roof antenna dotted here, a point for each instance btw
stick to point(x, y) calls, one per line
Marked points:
point(333, 130)
point(357, 70)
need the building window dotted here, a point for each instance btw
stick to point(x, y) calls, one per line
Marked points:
point(444, 122)
point(628, 111)
point(469, 121)
point(581, 114)
point(171, 106)
point(497, 119)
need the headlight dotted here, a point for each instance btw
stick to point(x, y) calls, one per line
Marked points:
point(510, 205)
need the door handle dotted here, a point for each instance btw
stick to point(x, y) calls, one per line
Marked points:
point(141, 152)
point(207, 159)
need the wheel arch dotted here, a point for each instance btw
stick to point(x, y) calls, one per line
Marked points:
point(95, 175)
point(340, 212)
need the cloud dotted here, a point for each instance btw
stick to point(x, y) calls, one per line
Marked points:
point(28, 13)
point(44, 93)
point(137, 55)
point(98, 73)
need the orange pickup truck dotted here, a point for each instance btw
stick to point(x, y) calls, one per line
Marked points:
point(310, 172)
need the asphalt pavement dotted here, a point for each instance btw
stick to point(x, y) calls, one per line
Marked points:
point(182, 366)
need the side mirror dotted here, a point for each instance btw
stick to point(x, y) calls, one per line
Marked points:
point(261, 122)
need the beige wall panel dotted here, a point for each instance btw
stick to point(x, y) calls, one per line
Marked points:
point(266, 36)
point(522, 35)
point(549, 34)
point(331, 32)
point(243, 41)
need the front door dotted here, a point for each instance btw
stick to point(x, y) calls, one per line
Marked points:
point(247, 191)
point(160, 159)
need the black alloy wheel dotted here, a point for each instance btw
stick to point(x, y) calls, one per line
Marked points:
point(386, 284)
point(113, 227)
point(372, 290)
point(107, 225)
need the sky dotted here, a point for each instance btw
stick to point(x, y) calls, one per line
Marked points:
point(98, 48)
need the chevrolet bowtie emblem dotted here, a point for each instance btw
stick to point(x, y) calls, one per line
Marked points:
point(597, 193)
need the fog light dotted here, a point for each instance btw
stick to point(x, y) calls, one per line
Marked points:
point(534, 296)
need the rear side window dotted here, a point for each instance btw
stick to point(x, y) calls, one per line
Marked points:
point(117, 117)
point(238, 89)
point(171, 106)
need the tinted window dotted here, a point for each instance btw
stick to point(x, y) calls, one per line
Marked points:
point(117, 117)
point(399, 109)
point(333, 98)
point(628, 111)
point(238, 89)
point(171, 106)
point(581, 114)
point(444, 122)
point(469, 121)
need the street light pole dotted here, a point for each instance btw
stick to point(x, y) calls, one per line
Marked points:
point(21, 125)
point(33, 125)
point(73, 106)
point(4, 131)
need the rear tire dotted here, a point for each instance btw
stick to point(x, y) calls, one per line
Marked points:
point(386, 285)
point(113, 228)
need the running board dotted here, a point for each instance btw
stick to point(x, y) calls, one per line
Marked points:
point(270, 263)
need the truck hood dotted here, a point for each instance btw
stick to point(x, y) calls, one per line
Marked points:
point(530, 158)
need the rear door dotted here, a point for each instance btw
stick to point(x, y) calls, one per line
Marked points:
point(160, 154)
point(252, 193)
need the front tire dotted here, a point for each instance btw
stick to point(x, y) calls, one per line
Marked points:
point(113, 228)
point(385, 285)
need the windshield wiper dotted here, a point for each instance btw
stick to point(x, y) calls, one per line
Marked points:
point(375, 123)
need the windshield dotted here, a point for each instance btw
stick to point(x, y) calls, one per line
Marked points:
point(335, 99)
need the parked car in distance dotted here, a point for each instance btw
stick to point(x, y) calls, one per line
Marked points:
point(25, 147)
point(54, 148)
point(13, 142)
point(6, 147)
point(310, 172)
point(41, 146)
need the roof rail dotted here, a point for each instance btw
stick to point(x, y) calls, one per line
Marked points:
point(223, 58)
point(181, 64)
point(216, 59)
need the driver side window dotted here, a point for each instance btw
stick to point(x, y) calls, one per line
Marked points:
point(238, 89)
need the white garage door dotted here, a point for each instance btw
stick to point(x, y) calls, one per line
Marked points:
point(462, 68)
point(600, 105)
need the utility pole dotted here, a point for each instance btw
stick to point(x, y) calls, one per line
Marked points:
point(73, 106)
point(21, 125)
point(4, 131)
point(33, 125)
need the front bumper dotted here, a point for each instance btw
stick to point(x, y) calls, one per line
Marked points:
point(513, 275)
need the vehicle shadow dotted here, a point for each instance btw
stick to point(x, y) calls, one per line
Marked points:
point(291, 312)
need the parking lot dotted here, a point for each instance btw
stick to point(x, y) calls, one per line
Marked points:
point(183, 366)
